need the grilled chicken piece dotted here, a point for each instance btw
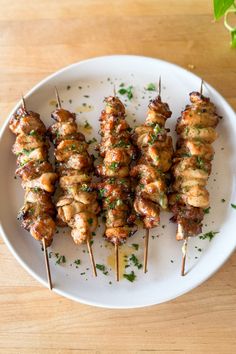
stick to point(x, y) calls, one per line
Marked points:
point(118, 151)
point(38, 177)
point(156, 151)
point(192, 165)
point(78, 206)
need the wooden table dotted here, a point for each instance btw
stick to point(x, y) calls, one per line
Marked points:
point(36, 39)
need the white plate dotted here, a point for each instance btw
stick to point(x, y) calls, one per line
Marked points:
point(163, 281)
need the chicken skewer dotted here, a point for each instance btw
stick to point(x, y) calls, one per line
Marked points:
point(78, 206)
point(38, 177)
point(192, 167)
point(156, 151)
point(117, 152)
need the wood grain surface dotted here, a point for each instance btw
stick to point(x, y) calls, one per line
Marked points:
point(36, 39)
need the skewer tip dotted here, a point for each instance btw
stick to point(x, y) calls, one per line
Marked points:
point(23, 101)
point(146, 251)
point(91, 257)
point(201, 87)
point(47, 264)
point(184, 252)
point(114, 90)
point(117, 262)
point(159, 86)
point(58, 97)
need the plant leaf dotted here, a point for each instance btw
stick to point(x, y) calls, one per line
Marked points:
point(233, 38)
point(220, 7)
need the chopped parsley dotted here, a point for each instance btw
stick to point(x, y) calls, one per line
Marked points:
point(208, 235)
point(87, 125)
point(60, 259)
point(207, 210)
point(27, 152)
point(135, 261)
point(33, 133)
point(114, 165)
point(130, 277)
point(233, 206)
point(102, 268)
point(151, 87)
point(126, 91)
point(77, 262)
point(101, 193)
point(135, 246)
point(90, 221)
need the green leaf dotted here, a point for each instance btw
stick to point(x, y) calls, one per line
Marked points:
point(130, 277)
point(233, 206)
point(220, 7)
point(122, 91)
point(208, 235)
point(151, 87)
point(233, 38)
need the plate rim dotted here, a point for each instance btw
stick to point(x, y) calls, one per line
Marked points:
point(4, 236)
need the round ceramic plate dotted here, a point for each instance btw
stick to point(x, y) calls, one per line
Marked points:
point(82, 88)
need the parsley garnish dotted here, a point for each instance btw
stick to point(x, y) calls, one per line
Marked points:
point(60, 259)
point(102, 268)
point(135, 261)
point(151, 87)
point(77, 262)
point(126, 91)
point(130, 277)
point(87, 125)
point(208, 235)
point(135, 246)
point(90, 221)
point(33, 132)
point(114, 165)
point(233, 206)
point(207, 210)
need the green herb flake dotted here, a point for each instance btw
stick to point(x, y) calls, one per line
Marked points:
point(135, 246)
point(208, 235)
point(60, 259)
point(102, 268)
point(130, 277)
point(135, 261)
point(151, 87)
point(114, 165)
point(126, 91)
point(77, 262)
point(207, 210)
point(87, 125)
point(33, 133)
point(233, 206)
point(90, 221)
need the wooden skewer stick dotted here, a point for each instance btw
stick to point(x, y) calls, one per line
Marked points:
point(146, 250)
point(91, 257)
point(114, 90)
point(201, 87)
point(88, 240)
point(58, 98)
point(47, 264)
point(184, 251)
point(117, 262)
point(159, 86)
point(23, 102)
point(43, 240)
